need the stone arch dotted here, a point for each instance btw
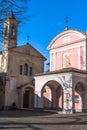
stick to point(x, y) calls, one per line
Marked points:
point(79, 97)
point(46, 80)
point(52, 95)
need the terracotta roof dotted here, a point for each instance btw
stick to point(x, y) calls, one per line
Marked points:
point(62, 71)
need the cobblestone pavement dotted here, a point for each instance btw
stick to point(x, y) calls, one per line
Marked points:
point(29, 120)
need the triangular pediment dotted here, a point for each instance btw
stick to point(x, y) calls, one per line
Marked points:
point(66, 37)
point(28, 50)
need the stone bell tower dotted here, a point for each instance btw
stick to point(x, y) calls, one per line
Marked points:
point(10, 31)
point(9, 39)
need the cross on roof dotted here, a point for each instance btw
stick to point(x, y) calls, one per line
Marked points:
point(66, 21)
point(28, 38)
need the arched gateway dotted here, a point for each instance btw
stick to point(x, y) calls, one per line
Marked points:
point(26, 96)
point(79, 97)
point(52, 95)
point(65, 90)
point(54, 91)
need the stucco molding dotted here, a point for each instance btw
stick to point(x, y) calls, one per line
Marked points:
point(82, 38)
point(62, 79)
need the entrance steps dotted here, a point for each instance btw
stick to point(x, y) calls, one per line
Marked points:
point(44, 110)
point(53, 111)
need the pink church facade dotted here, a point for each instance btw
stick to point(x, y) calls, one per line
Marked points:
point(64, 87)
point(68, 49)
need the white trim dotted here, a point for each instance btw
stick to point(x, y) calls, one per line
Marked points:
point(68, 48)
point(85, 58)
point(79, 58)
point(65, 33)
point(67, 43)
point(50, 62)
point(54, 58)
point(55, 61)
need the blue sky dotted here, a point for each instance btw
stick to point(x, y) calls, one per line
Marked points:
point(48, 19)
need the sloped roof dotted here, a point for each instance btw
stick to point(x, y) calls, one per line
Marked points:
point(27, 49)
point(64, 70)
point(11, 15)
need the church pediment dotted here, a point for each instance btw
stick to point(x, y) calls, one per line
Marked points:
point(67, 37)
point(28, 50)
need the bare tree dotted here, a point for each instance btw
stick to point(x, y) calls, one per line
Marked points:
point(19, 7)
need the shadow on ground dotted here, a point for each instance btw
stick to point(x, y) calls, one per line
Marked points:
point(23, 113)
point(33, 120)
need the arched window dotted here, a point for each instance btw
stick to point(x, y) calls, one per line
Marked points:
point(25, 69)
point(12, 31)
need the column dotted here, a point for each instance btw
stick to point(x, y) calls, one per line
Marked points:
point(67, 94)
point(68, 102)
point(37, 100)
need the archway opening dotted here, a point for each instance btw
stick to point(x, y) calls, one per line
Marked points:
point(79, 97)
point(28, 98)
point(52, 95)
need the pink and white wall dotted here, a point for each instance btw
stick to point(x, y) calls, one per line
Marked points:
point(68, 49)
point(64, 87)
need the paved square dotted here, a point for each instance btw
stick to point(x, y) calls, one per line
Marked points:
point(29, 120)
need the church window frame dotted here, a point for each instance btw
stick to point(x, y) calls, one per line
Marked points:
point(26, 69)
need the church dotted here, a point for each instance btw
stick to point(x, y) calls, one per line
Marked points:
point(24, 83)
point(18, 65)
point(64, 87)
